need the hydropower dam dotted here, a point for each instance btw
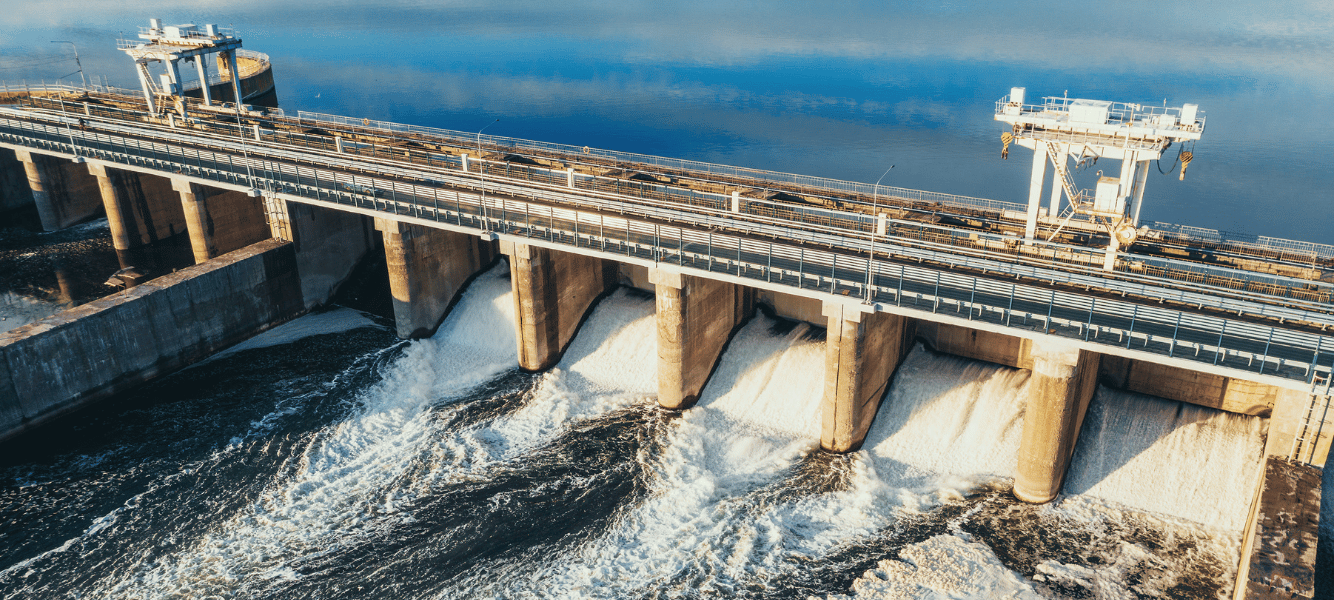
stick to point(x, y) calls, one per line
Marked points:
point(230, 220)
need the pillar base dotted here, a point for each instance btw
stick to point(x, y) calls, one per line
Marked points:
point(696, 317)
point(1064, 379)
point(862, 351)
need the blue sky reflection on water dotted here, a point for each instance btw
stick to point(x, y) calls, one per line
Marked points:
point(839, 91)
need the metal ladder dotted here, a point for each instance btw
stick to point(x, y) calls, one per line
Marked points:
point(1076, 196)
point(1305, 440)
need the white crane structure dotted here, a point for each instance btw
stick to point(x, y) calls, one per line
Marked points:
point(172, 44)
point(1061, 128)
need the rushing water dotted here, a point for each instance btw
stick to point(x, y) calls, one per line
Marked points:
point(328, 459)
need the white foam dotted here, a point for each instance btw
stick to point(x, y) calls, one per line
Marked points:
point(342, 480)
point(709, 510)
point(330, 321)
point(611, 363)
point(1168, 457)
point(945, 567)
point(948, 423)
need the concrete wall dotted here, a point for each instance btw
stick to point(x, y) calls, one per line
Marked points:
point(992, 347)
point(112, 344)
point(329, 244)
point(553, 291)
point(862, 351)
point(1278, 551)
point(427, 269)
point(796, 308)
point(696, 317)
point(1063, 382)
point(1204, 389)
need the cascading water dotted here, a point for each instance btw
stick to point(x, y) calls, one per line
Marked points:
point(435, 469)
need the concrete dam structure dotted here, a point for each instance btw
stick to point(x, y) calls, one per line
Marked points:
point(262, 215)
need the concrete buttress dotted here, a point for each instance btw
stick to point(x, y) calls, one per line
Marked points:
point(862, 351)
point(553, 290)
point(1064, 379)
point(695, 319)
point(427, 269)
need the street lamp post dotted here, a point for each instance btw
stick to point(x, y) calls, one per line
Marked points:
point(481, 171)
point(76, 60)
point(875, 229)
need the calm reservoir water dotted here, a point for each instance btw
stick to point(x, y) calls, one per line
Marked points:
point(328, 459)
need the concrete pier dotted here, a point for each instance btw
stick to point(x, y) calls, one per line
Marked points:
point(62, 192)
point(427, 269)
point(219, 221)
point(695, 317)
point(861, 353)
point(329, 244)
point(553, 291)
point(1278, 550)
point(147, 222)
point(1063, 382)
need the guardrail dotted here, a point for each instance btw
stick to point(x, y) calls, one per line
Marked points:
point(529, 211)
point(1253, 244)
point(1185, 275)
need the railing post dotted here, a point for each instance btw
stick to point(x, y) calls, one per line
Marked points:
point(1219, 348)
point(833, 274)
point(1171, 349)
point(1265, 358)
point(801, 269)
point(1089, 325)
point(769, 268)
point(1310, 371)
point(1051, 305)
point(936, 301)
point(972, 298)
point(898, 299)
point(1010, 309)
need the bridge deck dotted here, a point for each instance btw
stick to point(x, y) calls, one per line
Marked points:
point(965, 278)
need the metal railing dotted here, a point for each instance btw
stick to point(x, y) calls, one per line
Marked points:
point(757, 177)
point(546, 213)
point(1183, 274)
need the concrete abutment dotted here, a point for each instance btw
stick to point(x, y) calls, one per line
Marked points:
point(553, 290)
point(427, 270)
point(862, 351)
point(696, 317)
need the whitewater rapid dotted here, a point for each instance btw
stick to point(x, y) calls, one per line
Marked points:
point(453, 474)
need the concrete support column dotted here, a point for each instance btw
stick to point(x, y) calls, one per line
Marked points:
point(197, 219)
point(1057, 182)
point(1035, 184)
point(696, 317)
point(862, 351)
point(40, 182)
point(1064, 379)
point(120, 218)
point(553, 290)
point(427, 270)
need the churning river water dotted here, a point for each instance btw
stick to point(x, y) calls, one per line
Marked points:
point(328, 459)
